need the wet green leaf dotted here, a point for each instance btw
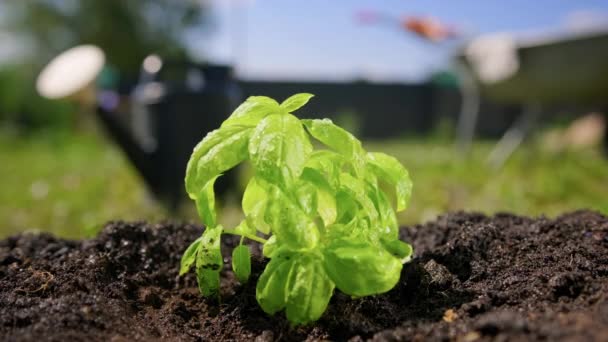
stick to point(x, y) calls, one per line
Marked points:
point(356, 189)
point(243, 228)
point(306, 195)
point(254, 205)
point(209, 261)
point(390, 170)
point(189, 256)
point(220, 151)
point(271, 290)
point(337, 139)
point(279, 148)
point(252, 111)
point(205, 204)
point(270, 247)
point(388, 220)
point(289, 222)
point(309, 290)
point(346, 207)
point(326, 207)
point(327, 165)
point(296, 101)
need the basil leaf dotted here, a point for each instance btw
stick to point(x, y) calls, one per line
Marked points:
point(252, 111)
point(289, 223)
point(337, 139)
point(326, 206)
point(309, 290)
point(307, 198)
point(270, 290)
point(389, 169)
point(279, 148)
point(360, 268)
point(241, 263)
point(328, 164)
point(346, 207)
point(209, 261)
point(208, 282)
point(270, 247)
point(399, 249)
point(326, 201)
point(205, 204)
point(189, 256)
point(244, 229)
point(296, 101)
point(388, 220)
point(219, 151)
point(254, 205)
point(356, 188)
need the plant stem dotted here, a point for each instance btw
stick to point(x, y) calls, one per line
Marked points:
point(249, 236)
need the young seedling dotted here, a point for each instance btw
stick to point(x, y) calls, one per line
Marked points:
point(321, 215)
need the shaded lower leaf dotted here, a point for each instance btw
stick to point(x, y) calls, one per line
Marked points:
point(189, 256)
point(271, 289)
point(361, 269)
point(309, 290)
point(241, 263)
point(208, 281)
point(209, 261)
point(399, 249)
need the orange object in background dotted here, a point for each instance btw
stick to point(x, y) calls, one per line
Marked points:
point(428, 28)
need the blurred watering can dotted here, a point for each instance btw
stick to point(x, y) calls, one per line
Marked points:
point(161, 119)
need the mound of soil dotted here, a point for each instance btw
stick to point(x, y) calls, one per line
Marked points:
point(474, 278)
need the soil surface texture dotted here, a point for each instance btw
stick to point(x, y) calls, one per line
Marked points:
point(474, 278)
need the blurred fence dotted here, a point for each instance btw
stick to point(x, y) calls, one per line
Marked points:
point(385, 110)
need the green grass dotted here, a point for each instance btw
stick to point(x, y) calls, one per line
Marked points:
point(72, 184)
point(533, 182)
point(68, 185)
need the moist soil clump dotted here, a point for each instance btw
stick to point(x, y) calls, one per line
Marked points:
point(474, 278)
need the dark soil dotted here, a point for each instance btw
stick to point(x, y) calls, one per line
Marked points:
point(474, 278)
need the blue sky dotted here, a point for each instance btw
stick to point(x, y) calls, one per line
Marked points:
point(320, 39)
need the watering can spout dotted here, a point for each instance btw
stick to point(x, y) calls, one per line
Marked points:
point(140, 157)
point(172, 106)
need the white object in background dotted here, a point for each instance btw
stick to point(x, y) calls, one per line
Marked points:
point(493, 57)
point(71, 72)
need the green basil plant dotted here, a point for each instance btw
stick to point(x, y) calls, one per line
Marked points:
point(321, 215)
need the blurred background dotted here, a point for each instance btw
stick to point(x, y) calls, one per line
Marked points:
point(493, 106)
